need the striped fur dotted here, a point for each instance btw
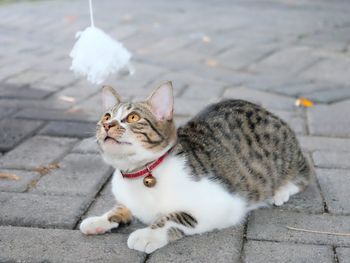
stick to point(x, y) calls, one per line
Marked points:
point(244, 147)
point(180, 218)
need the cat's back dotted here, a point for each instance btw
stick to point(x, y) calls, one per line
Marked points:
point(246, 147)
point(228, 118)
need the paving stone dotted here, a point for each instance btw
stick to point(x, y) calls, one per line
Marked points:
point(182, 80)
point(60, 79)
point(25, 178)
point(313, 143)
point(69, 129)
point(26, 77)
point(20, 104)
point(144, 75)
point(101, 205)
point(281, 83)
point(332, 120)
point(334, 40)
point(343, 254)
point(300, 88)
point(79, 174)
point(6, 111)
point(91, 108)
point(276, 252)
point(262, 98)
point(292, 59)
point(190, 107)
point(294, 119)
point(238, 57)
point(270, 225)
point(329, 95)
point(335, 188)
point(332, 69)
point(328, 159)
point(13, 131)
point(88, 145)
point(73, 114)
point(66, 246)
point(12, 91)
point(308, 201)
point(73, 94)
point(216, 246)
point(37, 151)
point(181, 120)
point(25, 209)
point(203, 90)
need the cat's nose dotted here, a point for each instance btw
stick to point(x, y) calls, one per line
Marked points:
point(108, 125)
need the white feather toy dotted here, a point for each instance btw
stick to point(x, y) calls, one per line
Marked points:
point(96, 55)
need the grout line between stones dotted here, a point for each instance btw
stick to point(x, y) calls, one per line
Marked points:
point(244, 240)
point(147, 257)
point(336, 259)
point(325, 206)
point(93, 200)
point(292, 242)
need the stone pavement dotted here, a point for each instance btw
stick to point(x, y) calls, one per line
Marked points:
point(266, 51)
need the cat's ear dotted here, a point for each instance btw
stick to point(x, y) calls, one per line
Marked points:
point(162, 101)
point(110, 97)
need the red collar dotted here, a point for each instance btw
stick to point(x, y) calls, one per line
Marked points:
point(148, 170)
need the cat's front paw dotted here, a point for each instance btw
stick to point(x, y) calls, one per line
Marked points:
point(96, 225)
point(147, 239)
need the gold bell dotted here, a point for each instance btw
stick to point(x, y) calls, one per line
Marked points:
point(149, 181)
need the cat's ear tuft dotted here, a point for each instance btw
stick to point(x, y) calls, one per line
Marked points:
point(110, 97)
point(162, 101)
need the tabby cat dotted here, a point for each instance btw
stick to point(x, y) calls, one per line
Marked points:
point(232, 157)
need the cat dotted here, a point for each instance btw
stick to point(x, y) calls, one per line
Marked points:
point(231, 158)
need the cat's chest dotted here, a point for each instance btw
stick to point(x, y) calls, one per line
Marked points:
point(175, 190)
point(147, 203)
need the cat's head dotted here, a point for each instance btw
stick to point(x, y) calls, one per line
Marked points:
point(131, 134)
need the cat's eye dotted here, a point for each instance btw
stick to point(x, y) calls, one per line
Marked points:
point(106, 117)
point(133, 117)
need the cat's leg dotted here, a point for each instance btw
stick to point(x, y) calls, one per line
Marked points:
point(283, 194)
point(164, 230)
point(100, 224)
point(304, 172)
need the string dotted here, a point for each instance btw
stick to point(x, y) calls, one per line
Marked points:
point(91, 14)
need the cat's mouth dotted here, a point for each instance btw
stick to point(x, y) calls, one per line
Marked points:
point(111, 140)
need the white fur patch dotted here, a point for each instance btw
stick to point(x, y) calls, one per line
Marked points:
point(176, 191)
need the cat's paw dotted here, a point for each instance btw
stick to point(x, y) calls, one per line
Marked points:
point(280, 198)
point(284, 193)
point(147, 239)
point(96, 225)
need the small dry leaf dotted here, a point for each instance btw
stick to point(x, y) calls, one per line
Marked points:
point(211, 62)
point(127, 18)
point(33, 184)
point(304, 102)
point(67, 99)
point(43, 170)
point(9, 176)
point(206, 39)
point(53, 166)
point(141, 51)
point(74, 110)
point(70, 19)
